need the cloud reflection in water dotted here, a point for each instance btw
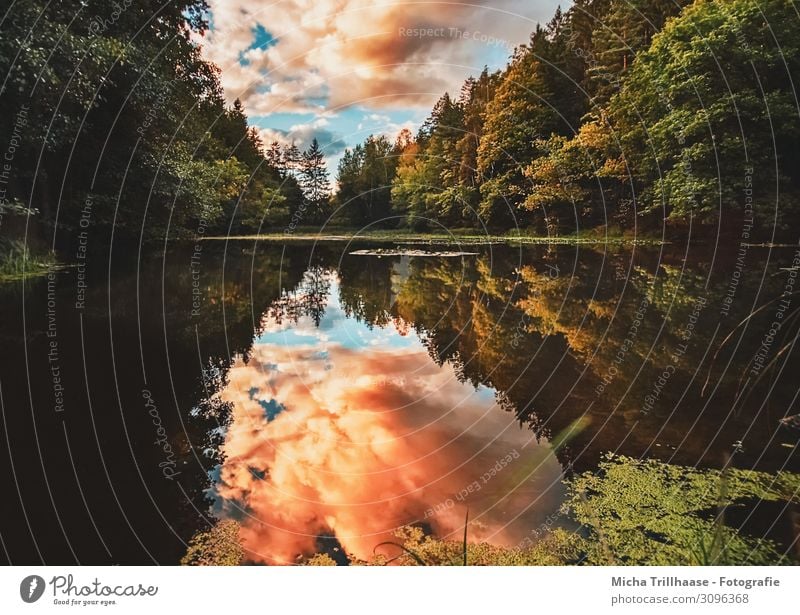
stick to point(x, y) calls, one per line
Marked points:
point(346, 430)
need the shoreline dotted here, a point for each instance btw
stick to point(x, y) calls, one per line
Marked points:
point(431, 239)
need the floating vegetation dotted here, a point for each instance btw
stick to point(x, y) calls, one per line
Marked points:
point(409, 252)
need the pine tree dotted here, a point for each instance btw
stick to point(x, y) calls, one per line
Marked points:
point(314, 182)
point(292, 159)
point(624, 30)
point(475, 95)
point(275, 158)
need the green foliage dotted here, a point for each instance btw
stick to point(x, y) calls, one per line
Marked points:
point(437, 182)
point(623, 30)
point(691, 106)
point(538, 96)
point(427, 189)
point(365, 178)
point(710, 99)
point(648, 512)
point(123, 108)
point(414, 548)
point(652, 108)
point(217, 546)
point(515, 118)
point(632, 512)
point(577, 182)
point(313, 177)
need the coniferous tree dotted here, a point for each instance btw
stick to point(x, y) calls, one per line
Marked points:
point(313, 177)
point(276, 159)
point(292, 159)
point(622, 31)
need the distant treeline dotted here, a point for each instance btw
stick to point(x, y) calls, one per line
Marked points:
point(619, 113)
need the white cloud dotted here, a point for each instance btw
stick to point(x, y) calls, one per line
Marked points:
point(331, 54)
point(302, 135)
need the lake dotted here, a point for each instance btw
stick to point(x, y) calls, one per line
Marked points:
point(321, 399)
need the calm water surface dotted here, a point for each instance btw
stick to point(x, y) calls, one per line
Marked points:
point(322, 399)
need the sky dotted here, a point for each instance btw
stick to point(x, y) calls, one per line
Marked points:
point(353, 431)
point(340, 70)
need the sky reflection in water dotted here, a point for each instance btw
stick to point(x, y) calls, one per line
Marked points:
point(346, 430)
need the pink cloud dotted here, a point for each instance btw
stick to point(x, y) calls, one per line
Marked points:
point(358, 51)
point(371, 439)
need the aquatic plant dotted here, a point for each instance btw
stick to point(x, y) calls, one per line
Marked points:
point(217, 546)
point(17, 260)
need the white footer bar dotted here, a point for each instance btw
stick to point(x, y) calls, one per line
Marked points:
point(357, 590)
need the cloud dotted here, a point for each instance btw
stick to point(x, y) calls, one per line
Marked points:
point(302, 135)
point(383, 125)
point(370, 437)
point(332, 54)
point(391, 130)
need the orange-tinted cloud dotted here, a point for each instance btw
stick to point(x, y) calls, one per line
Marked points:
point(327, 439)
point(345, 52)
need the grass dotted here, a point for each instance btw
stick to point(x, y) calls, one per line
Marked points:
point(452, 237)
point(461, 556)
point(17, 261)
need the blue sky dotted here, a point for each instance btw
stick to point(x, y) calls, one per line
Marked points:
point(337, 329)
point(340, 70)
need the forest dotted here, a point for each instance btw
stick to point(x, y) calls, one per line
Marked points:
point(113, 122)
point(644, 116)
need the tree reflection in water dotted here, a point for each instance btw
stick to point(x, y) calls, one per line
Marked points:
point(408, 377)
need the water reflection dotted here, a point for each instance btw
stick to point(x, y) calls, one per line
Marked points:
point(345, 429)
point(379, 389)
point(310, 394)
